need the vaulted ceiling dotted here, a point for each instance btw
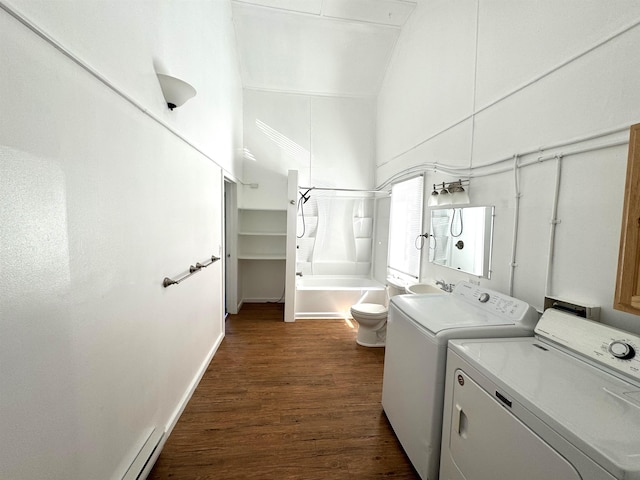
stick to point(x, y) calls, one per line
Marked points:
point(324, 47)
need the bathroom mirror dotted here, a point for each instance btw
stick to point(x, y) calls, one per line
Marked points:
point(461, 239)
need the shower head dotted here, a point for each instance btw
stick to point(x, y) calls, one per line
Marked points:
point(305, 196)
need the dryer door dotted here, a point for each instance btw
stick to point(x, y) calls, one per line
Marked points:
point(487, 442)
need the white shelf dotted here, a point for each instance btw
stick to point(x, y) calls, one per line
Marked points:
point(242, 209)
point(262, 234)
point(258, 256)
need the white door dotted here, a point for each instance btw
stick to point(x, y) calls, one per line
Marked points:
point(230, 257)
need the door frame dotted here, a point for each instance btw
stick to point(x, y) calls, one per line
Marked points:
point(230, 253)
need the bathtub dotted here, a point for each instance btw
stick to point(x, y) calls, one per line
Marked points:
point(327, 296)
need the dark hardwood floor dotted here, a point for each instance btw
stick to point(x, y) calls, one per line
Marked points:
point(286, 401)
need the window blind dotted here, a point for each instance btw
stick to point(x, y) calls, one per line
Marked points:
point(405, 224)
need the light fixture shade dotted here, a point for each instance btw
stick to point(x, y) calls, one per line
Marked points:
point(175, 91)
point(445, 198)
point(460, 198)
point(433, 200)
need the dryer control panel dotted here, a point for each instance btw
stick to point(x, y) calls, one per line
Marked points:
point(615, 349)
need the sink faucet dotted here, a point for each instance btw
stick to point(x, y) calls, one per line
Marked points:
point(299, 274)
point(447, 287)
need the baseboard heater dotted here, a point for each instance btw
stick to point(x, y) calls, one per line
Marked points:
point(146, 457)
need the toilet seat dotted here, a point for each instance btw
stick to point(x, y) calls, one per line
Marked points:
point(371, 311)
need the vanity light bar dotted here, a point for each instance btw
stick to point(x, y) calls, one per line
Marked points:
point(451, 193)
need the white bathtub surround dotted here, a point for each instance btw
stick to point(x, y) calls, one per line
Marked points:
point(327, 296)
point(334, 251)
point(335, 235)
point(334, 255)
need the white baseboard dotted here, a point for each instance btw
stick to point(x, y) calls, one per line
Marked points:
point(193, 385)
point(263, 300)
point(181, 406)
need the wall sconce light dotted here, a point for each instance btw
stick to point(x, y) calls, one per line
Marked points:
point(452, 193)
point(175, 91)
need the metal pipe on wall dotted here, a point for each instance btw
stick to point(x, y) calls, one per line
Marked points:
point(516, 218)
point(552, 230)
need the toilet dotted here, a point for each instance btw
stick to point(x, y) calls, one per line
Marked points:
point(372, 318)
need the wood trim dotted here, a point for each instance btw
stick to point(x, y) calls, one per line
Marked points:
point(627, 285)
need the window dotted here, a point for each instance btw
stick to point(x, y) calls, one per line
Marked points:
point(405, 225)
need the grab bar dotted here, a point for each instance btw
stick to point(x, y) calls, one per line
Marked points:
point(192, 269)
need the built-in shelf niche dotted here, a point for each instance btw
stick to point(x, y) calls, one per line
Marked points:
point(262, 234)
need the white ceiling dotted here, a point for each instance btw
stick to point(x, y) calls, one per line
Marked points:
point(325, 47)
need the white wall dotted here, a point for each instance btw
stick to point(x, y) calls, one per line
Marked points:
point(473, 82)
point(328, 140)
point(317, 47)
point(98, 203)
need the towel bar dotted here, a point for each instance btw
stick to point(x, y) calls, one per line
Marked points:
point(192, 269)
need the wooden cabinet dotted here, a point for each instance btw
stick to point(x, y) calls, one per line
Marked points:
point(627, 295)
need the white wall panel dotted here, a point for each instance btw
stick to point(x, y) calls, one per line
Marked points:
point(276, 132)
point(536, 186)
point(430, 83)
point(307, 54)
point(520, 40)
point(305, 6)
point(329, 140)
point(127, 42)
point(589, 232)
point(98, 204)
point(595, 92)
point(389, 12)
point(452, 147)
point(342, 142)
point(277, 139)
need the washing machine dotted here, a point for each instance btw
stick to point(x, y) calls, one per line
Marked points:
point(418, 329)
point(563, 405)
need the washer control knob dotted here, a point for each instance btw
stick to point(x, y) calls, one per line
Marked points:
point(484, 297)
point(622, 350)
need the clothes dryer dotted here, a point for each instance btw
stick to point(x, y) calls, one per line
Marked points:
point(418, 329)
point(564, 405)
